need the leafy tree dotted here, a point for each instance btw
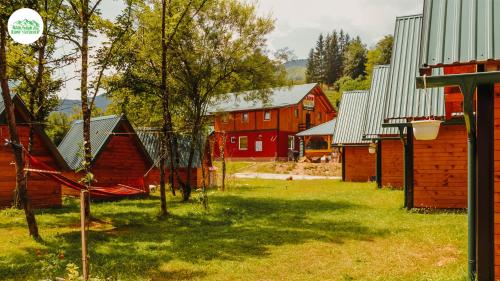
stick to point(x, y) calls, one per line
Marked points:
point(381, 54)
point(58, 125)
point(355, 59)
point(346, 83)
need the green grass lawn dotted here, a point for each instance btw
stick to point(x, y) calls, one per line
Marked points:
point(257, 230)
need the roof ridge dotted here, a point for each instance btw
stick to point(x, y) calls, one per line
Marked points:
point(100, 118)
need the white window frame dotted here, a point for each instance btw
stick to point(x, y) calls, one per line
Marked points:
point(245, 117)
point(257, 146)
point(291, 142)
point(239, 142)
point(233, 139)
point(268, 114)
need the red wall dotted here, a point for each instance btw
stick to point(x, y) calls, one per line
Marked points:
point(392, 163)
point(42, 192)
point(440, 169)
point(360, 166)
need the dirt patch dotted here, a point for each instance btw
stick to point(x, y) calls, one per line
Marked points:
point(95, 224)
point(308, 169)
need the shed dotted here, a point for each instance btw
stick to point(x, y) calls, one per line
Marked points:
point(435, 170)
point(390, 164)
point(118, 155)
point(317, 141)
point(150, 139)
point(42, 192)
point(358, 165)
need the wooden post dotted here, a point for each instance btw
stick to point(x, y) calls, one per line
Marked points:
point(83, 202)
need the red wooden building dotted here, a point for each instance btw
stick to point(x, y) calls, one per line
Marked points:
point(358, 165)
point(118, 155)
point(42, 192)
point(201, 163)
point(262, 131)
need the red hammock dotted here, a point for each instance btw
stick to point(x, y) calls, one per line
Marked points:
point(108, 192)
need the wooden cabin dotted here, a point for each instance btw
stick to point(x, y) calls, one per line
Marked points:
point(390, 160)
point(317, 141)
point(358, 165)
point(265, 130)
point(201, 163)
point(43, 192)
point(118, 155)
point(435, 170)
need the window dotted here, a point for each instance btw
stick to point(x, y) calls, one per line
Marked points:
point(296, 112)
point(258, 146)
point(243, 143)
point(267, 115)
point(244, 117)
point(233, 139)
point(291, 142)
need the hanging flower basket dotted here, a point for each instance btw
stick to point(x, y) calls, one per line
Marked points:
point(372, 149)
point(426, 129)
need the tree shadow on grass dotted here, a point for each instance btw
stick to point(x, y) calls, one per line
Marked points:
point(236, 229)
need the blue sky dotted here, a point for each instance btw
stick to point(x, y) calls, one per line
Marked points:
point(299, 23)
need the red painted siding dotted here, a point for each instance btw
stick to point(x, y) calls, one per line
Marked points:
point(360, 166)
point(392, 163)
point(440, 169)
point(42, 192)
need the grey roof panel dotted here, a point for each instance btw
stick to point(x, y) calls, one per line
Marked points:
point(320, 130)
point(101, 128)
point(349, 125)
point(460, 31)
point(375, 107)
point(278, 97)
point(404, 100)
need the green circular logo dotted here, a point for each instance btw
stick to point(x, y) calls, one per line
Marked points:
point(25, 26)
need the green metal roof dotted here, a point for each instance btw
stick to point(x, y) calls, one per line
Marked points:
point(151, 141)
point(403, 100)
point(101, 129)
point(278, 97)
point(320, 130)
point(460, 31)
point(349, 125)
point(374, 116)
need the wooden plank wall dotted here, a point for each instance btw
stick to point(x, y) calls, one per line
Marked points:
point(43, 192)
point(360, 166)
point(497, 180)
point(392, 163)
point(440, 166)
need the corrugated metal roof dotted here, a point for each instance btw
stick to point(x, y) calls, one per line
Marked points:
point(71, 147)
point(278, 97)
point(349, 127)
point(460, 31)
point(404, 100)
point(320, 130)
point(375, 107)
point(151, 141)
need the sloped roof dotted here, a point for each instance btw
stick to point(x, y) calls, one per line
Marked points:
point(404, 100)
point(374, 115)
point(320, 130)
point(460, 31)
point(101, 129)
point(151, 141)
point(278, 97)
point(349, 125)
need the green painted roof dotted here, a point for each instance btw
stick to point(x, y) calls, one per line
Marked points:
point(403, 100)
point(460, 31)
point(350, 120)
point(374, 115)
point(151, 141)
point(101, 129)
point(278, 97)
point(320, 130)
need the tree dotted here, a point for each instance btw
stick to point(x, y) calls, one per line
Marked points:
point(355, 59)
point(58, 125)
point(5, 11)
point(381, 54)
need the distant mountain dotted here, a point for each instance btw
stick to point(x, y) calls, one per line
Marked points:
point(67, 105)
point(296, 70)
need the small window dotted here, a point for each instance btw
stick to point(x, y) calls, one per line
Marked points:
point(233, 139)
point(243, 143)
point(258, 146)
point(267, 115)
point(291, 142)
point(296, 112)
point(244, 117)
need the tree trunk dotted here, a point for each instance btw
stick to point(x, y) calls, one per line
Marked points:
point(17, 149)
point(186, 192)
point(222, 148)
point(163, 197)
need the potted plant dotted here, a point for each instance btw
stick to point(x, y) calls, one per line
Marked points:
point(372, 149)
point(426, 129)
